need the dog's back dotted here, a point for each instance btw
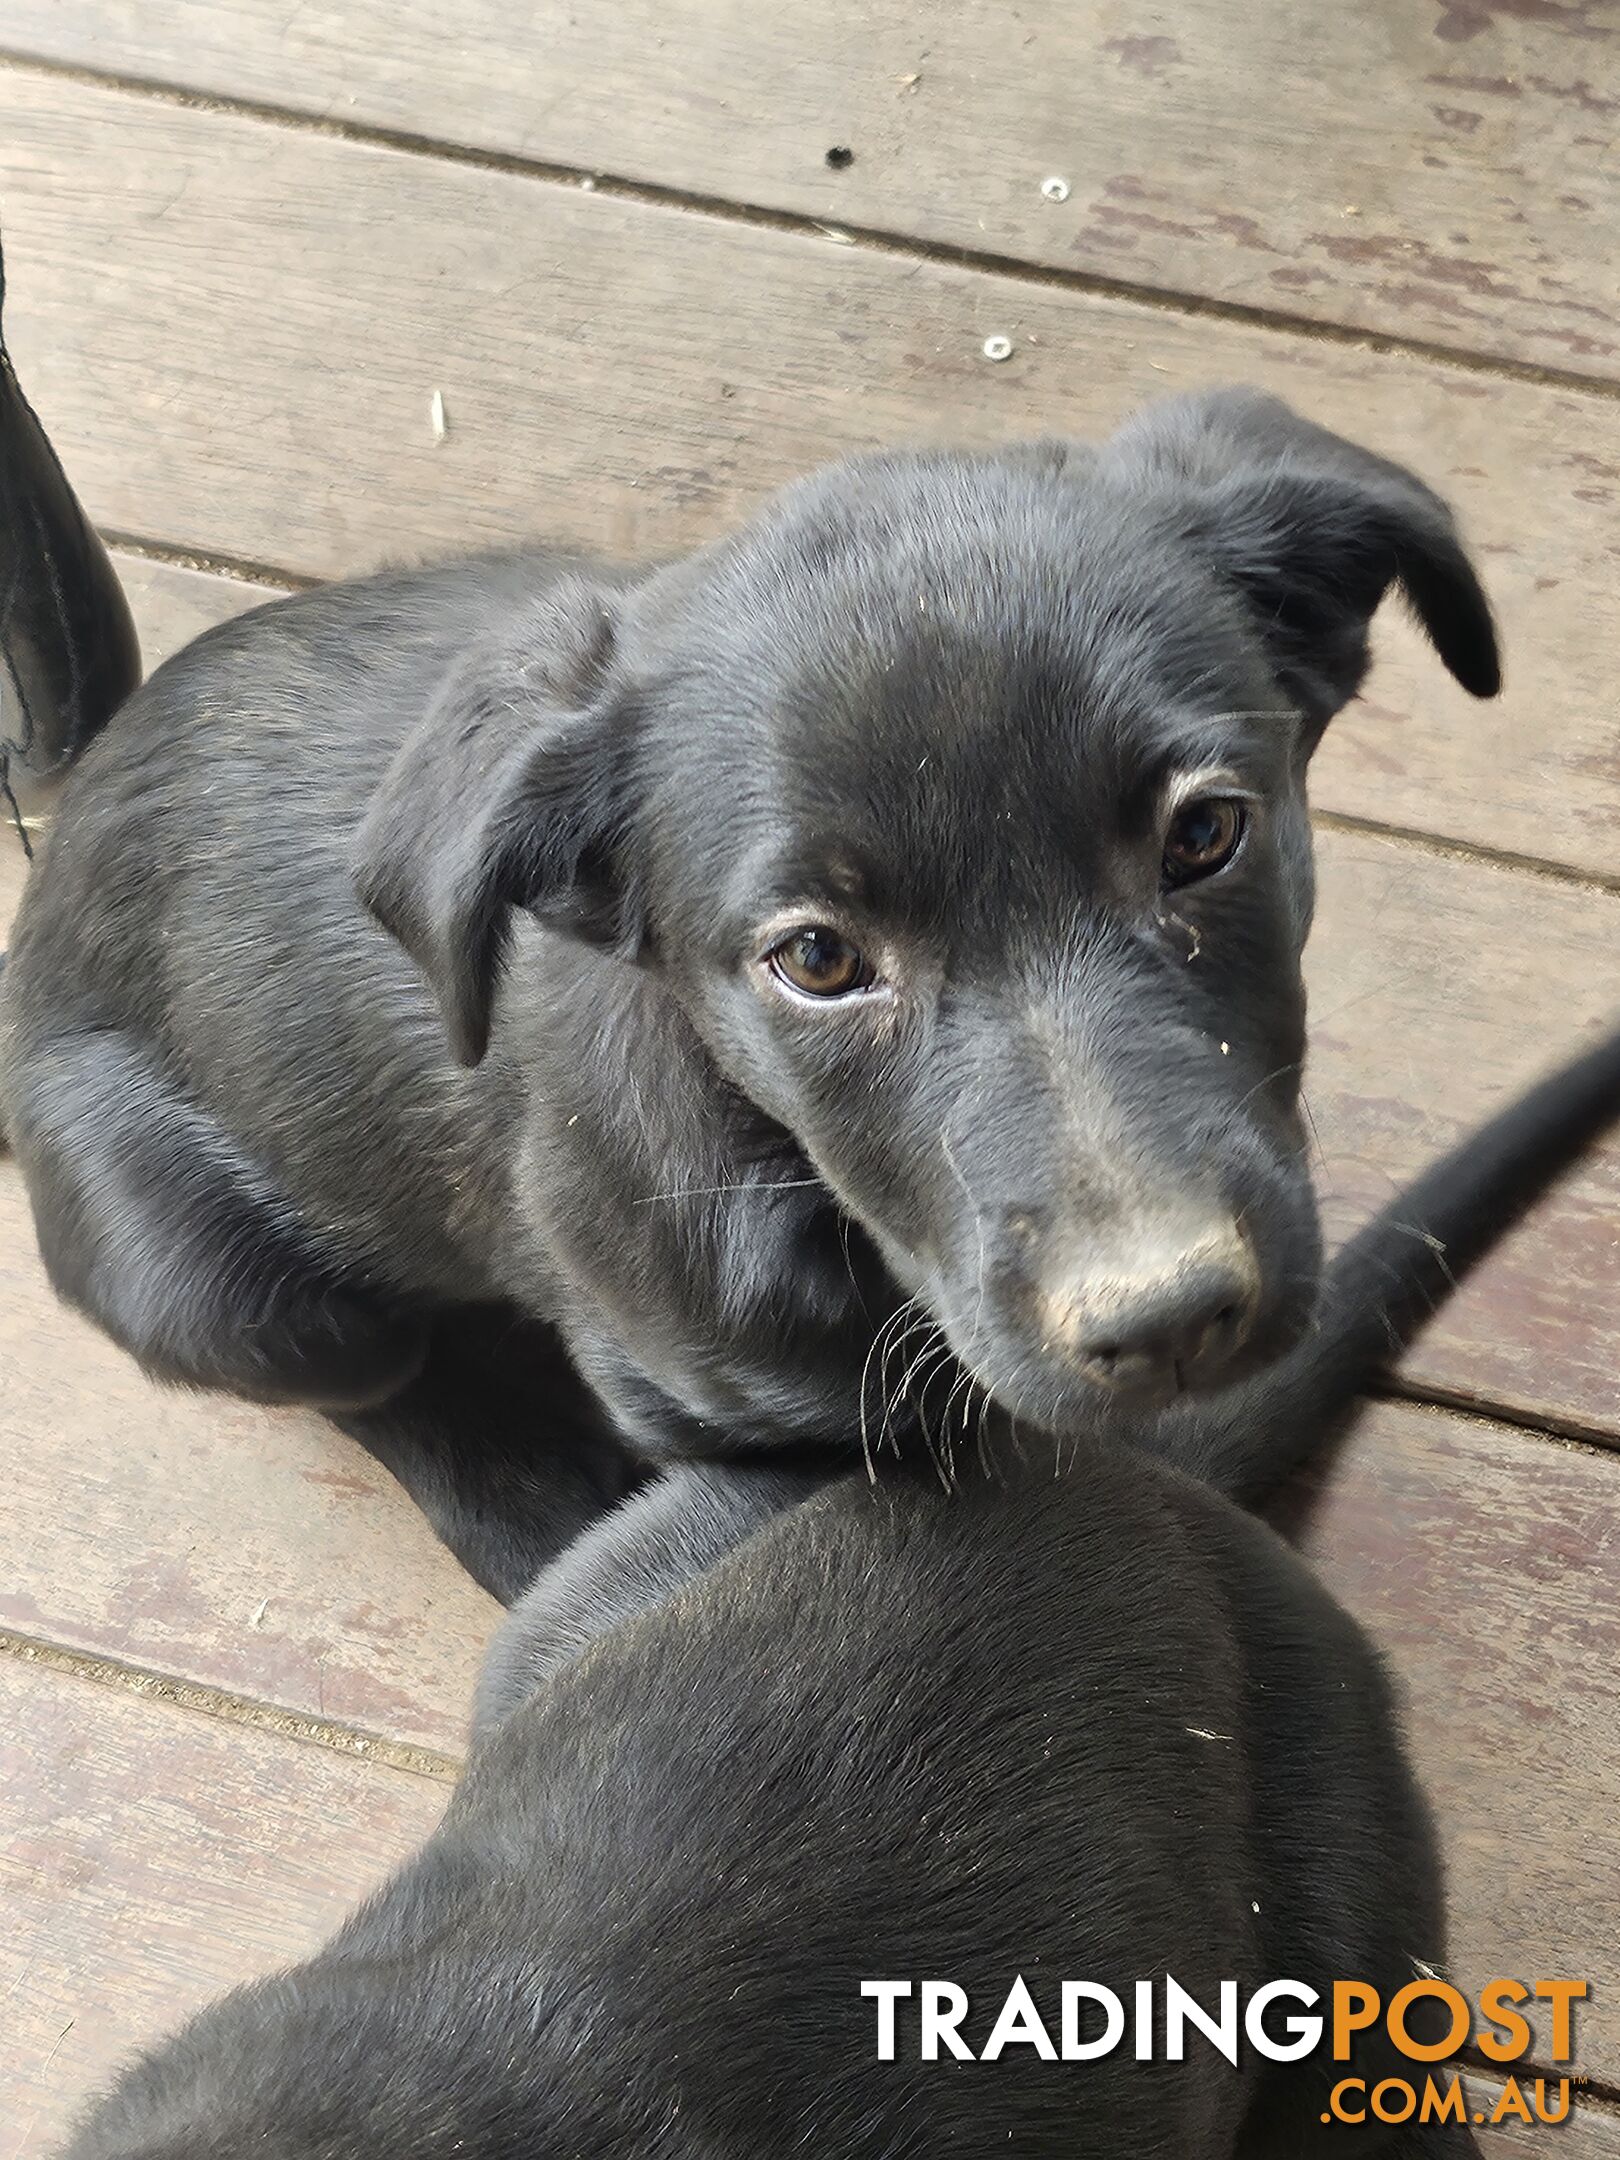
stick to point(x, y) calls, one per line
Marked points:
point(1099, 1727)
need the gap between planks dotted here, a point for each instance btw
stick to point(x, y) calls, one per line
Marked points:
point(1470, 851)
point(1574, 1438)
point(874, 239)
point(235, 569)
point(229, 1708)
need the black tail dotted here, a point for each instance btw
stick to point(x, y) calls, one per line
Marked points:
point(68, 654)
point(1387, 1281)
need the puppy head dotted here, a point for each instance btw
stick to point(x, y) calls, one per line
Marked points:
point(959, 800)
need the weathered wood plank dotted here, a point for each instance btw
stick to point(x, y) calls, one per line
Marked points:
point(1592, 2132)
point(1486, 1563)
point(151, 1858)
point(1444, 173)
point(234, 331)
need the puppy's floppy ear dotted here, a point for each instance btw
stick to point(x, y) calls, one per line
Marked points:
point(509, 792)
point(1312, 531)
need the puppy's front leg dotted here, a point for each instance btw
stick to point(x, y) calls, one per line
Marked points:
point(673, 1529)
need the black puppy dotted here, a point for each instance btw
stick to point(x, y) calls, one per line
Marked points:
point(1099, 1727)
point(885, 920)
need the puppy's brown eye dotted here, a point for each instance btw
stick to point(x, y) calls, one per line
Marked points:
point(819, 963)
point(1203, 837)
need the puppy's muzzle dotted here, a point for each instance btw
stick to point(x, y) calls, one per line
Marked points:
point(1166, 1316)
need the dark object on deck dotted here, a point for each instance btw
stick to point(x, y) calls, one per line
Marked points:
point(68, 654)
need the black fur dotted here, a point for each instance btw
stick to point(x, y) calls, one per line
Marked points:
point(937, 701)
point(751, 1742)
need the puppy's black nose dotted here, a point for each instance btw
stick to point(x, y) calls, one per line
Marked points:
point(1170, 1320)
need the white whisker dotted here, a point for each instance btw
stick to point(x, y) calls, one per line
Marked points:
point(708, 1192)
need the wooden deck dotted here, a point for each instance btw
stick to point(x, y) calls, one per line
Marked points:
point(247, 242)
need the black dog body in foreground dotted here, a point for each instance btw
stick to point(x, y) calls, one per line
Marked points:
point(869, 949)
point(742, 1750)
point(1100, 1728)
